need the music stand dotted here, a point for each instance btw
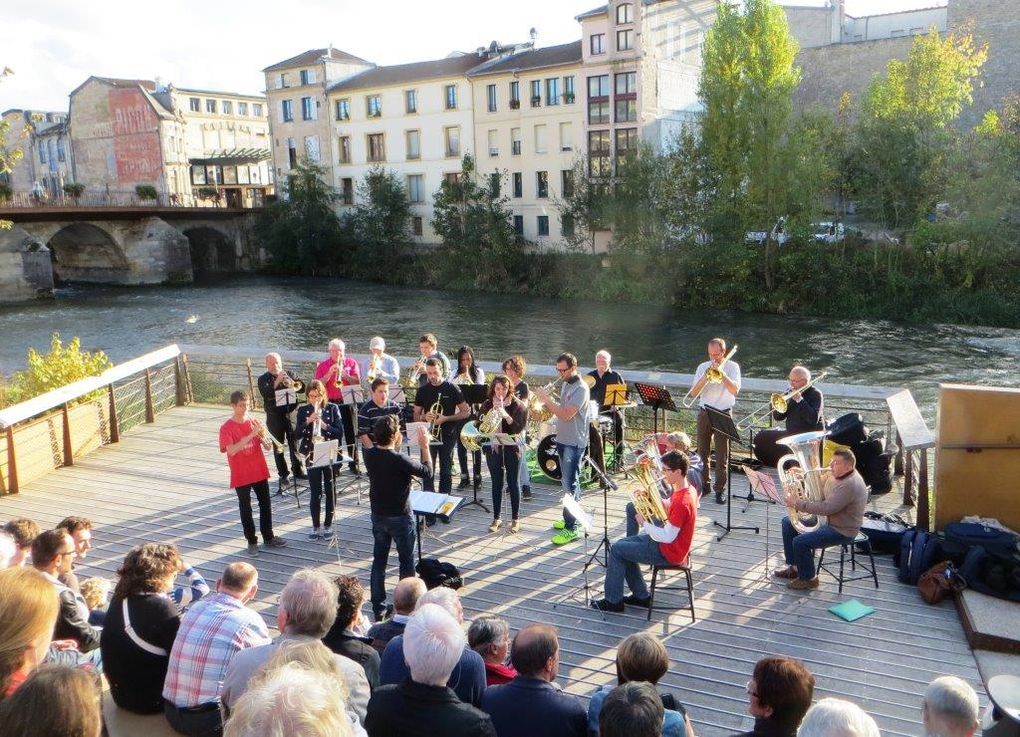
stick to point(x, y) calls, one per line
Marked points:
point(585, 521)
point(722, 423)
point(658, 398)
point(763, 484)
point(475, 395)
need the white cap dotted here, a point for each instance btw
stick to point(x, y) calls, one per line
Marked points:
point(377, 342)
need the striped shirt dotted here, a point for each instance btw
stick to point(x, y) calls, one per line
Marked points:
point(370, 412)
point(211, 633)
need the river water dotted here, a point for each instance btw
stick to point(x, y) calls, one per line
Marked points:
point(299, 313)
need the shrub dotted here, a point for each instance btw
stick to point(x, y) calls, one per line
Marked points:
point(74, 190)
point(145, 192)
point(62, 365)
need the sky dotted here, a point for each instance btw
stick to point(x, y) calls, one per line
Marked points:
point(52, 46)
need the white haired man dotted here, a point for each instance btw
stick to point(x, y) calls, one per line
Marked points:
point(337, 371)
point(805, 409)
point(837, 718)
point(276, 386)
point(950, 708)
point(424, 704)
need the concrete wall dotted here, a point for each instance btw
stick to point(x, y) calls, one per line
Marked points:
point(998, 24)
point(17, 283)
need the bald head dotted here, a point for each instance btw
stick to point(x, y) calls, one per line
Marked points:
point(800, 372)
point(240, 580)
point(535, 651)
point(406, 594)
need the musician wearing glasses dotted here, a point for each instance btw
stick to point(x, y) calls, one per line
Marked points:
point(515, 368)
point(278, 387)
point(601, 377)
point(380, 364)
point(804, 410)
point(572, 420)
point(378, 406)
point(317, 421)
point(453, 410)
point(668, 544)
point(335, 372)
point(429, 348)
point(505, 460)
point(467, 372)
point(721, 396)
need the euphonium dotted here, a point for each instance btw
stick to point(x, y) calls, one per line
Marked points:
point(804, 482)
point(646, 497)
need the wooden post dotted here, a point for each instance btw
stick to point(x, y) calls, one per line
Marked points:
point(68, 452)
point(923, 512)
point(179, 393)
point(908, 478)
point(251, 385)
point(150, 414)
point(12, 465)
point(189, 397)
point(114, 422)
point(898, 465)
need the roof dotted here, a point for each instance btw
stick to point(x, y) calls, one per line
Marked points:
point(218, 93)
point(551, 56)
point(600, 10)
point(312, 56)
point(146, 84)
point(401, 73)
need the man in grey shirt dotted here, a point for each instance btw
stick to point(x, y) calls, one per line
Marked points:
point(572, 415)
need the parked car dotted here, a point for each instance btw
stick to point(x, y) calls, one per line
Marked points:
point(827, 232)
point(779, 233)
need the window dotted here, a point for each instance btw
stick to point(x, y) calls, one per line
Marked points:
point(42, 154)
point(599, 164)
point(61, 154)
point(195, 104)
point(494, 184)
point(515, 94)
point(598, 43)
point(343, 109)
point(598, 113)
point(519, 224)
point(493, 142)
point(452, 136)
point(292, 152)
point(307, 76)
point(541, 146)
point(624, 13)
point(345, 149)
point(286, 110)
point(567, 226)
point(312, 148)
point(242, 109)
point(451, 96)
point(541, 184)
point(413, 144)
point(543, 225)
point(415, 188)
point(566, 137)
point(282, 81)
point(490, 94)
point(308, 111)
point(376, 147)
point(568, 90)
point(210, 106)
point(567, 182)
point(228, 107)
point(347, 191)
point(410, 101)
point(626, 145)
point(624, 40)
point(552, 91)
point(536, 92)
point(626, 83)
point(416, 225)
point(256, 109)
point(515, 141)
point(598, 86)
point(626, 111)
point(518, 184)
point(373, 106)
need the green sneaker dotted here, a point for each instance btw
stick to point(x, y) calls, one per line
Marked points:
point(559, 525)
point(566, 536)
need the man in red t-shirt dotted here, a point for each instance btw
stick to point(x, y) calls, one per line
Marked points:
point(336, 371)
point(242, 438)
point(666, 545)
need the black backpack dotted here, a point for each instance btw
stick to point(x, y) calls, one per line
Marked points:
point(919, 551)
point(961, 536)
point(435, 572)
point(885, 532)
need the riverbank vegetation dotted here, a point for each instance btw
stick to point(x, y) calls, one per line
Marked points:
point(941, 203)
point(60, 366)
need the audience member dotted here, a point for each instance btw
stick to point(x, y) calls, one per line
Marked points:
point(28, 613)
point(423, 704)
point(405, 598)
point(213, 632)
point(55, 701)
point(631, 709)
point(342, 637)
point(8, 550)
point(24, 531)
point(837, 718)
point(468, 676)
point(140, 628)
point(642, 657)
point(96, 593)
point(80, 530)
point(307, 611)
point(531, 705)
point(489, 636)
point(52, 552)
point(950, 708)
point(778, 695)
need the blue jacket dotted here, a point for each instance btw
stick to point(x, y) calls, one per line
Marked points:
point(533, 707)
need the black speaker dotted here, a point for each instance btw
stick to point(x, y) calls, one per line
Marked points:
point(766, 447)
point(848, 430)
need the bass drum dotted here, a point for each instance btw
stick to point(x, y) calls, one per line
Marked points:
point(547, 457)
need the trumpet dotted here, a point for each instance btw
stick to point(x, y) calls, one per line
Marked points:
point(713, 375)
point(778, 402)
point(435, 429)
point(265, 435)
point(296, 384)
point(373, 368)
point(646, 497)
point(306, 448)
point(415, 371)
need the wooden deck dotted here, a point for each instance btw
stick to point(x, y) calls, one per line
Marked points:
point(167, 481)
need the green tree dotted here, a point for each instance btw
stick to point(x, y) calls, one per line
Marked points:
point(8, 156)
point(302, 231)
point(379, 224)
point(62, 365)
point(583, 207)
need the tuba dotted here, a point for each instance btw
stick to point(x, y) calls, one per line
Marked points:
point(804, 482)
point(646, 497)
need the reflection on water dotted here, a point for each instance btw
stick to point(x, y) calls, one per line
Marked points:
point(305, 313)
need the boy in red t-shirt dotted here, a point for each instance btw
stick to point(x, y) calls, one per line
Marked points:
point(665, 545)
point(242, 439)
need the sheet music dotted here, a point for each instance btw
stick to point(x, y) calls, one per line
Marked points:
point(352, 394)
point(286, 396)
point(397, 395)
point(324, 453)
point(430, 502)
point(412, 431)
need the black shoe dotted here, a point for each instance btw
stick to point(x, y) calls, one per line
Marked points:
point(604, 605)
point(525, 492)
point(720, 497)
point(465, 483)
point(637, 601)
point(300, 475)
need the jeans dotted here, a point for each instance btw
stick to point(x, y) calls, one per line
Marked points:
point(504, 457)
point(201, 721)
point(570, 466)
point(624, 556)
point(444, 453)
point(524, 472)
point(349, 416)
point(722, 453)
point(398, 529)
point(320, 481)
point(261, 489)
point(799, 548)
point(281, 427)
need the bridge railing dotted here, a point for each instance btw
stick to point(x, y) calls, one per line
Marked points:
point(25, 200)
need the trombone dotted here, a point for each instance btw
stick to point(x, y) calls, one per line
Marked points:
point(778, 402)
point(713, 375)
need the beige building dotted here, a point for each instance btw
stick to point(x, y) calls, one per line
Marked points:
point(45, 165)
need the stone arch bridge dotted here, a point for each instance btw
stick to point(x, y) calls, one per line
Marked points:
point(121, 245)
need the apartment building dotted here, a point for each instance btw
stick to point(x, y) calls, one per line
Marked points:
point(45, 165)
point(300, 124)
point(416, 120)
point(528, 126)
